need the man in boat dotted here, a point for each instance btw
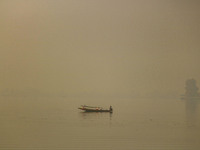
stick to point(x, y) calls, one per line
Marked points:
point(111, 108)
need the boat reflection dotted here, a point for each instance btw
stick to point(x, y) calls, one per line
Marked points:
point(88, 114)
point(96, 118)
point(191, 98)
point(191, 108)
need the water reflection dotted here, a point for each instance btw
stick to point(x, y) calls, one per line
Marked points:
point(86, 115)
point(192, 98)
point(191, 107)
point(96, 118)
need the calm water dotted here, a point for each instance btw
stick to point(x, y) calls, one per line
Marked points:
point(136, 124)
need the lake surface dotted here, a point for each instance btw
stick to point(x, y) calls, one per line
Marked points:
point(136, 124)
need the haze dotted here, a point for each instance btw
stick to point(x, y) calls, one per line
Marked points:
point(99, 47)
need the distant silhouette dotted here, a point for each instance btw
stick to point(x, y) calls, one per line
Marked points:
point(191, 88)
point(111, 108)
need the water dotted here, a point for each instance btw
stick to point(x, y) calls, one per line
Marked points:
point(136, 124)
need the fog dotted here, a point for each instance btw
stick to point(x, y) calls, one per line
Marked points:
point(99, 47)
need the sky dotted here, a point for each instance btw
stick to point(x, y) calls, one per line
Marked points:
point(99, 47)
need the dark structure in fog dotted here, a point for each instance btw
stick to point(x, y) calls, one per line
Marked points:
point(191, 88)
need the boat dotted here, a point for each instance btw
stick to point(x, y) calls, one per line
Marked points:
point(95, 109)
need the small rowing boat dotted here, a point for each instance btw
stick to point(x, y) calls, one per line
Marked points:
point(95, 109)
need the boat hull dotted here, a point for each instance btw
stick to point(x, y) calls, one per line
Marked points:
point(98, 111)
point(95, 110)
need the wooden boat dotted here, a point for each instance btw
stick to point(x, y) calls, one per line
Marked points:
point(95, 109)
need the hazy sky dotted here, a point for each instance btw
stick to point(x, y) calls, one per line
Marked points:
point(99, 46)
